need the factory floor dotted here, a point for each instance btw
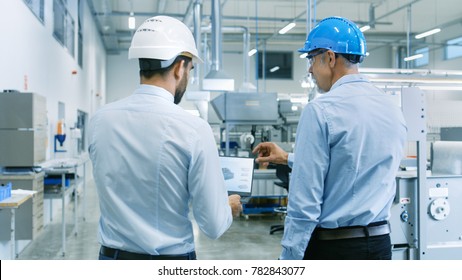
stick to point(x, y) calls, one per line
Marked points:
point(247, 239)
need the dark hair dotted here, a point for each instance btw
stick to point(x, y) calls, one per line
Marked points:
point(156, 63)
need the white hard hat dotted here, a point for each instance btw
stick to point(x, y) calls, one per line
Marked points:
point(163, 38)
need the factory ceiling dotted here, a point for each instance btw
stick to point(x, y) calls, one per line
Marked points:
point(393, 22)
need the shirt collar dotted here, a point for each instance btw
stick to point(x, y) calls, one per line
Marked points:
point(154, 90)
point(349, 79)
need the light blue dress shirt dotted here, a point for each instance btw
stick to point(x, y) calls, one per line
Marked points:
point(348, 148)
point(152, 162)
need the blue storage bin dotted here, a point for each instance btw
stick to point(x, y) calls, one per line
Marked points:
point(5, 191)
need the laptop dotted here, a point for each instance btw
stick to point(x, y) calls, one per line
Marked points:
point(238, 174)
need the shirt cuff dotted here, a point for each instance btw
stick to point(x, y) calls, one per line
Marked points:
point(290, 160)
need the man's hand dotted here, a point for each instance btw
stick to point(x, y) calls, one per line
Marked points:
point(270, 152)
point(235, 204)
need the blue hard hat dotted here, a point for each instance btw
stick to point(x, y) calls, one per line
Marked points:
point(337, 34)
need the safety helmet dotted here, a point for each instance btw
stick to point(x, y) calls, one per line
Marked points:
point(337, 34)
point(163, 38)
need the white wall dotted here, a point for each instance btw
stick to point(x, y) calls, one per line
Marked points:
point(30, 52)
point(32, 60)
point(123, 76)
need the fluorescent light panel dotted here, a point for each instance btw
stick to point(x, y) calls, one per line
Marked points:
point(299, 100)
point(131, 21)
point(274, 69)
point(286, 28)
point(252, 52)
point(413, 57)
point(365, 28)
point(428, 33)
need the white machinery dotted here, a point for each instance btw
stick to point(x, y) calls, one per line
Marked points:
point(426, 214)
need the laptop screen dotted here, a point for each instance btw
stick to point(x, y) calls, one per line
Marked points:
point(238, 174)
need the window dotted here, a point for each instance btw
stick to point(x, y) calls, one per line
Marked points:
point(80, 35)
point(423, 60)
point(58, 14)
point(69, 40)
point(36, 6)
point(453, 48)
point(278, 65)
point(63, 25)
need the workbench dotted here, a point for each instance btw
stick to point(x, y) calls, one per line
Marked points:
point(18, 197)
point(63, 167)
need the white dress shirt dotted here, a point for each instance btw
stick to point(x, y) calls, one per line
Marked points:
point(152, 162)
point(348, 148)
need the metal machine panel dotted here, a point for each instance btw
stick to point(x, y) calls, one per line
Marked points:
point(444, 227)
point(413, 105)
point(247, 107)
point(22, 129)
point(451, 134)
point(22, 110)
point(403, 214)
point(443, 230)
point(446, 158)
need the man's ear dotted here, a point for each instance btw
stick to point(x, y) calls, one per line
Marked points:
point(332, 58)
point(178, 69)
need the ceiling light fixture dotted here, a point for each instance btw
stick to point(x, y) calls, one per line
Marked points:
point(303, 55)
point(252, 52)
point(427, 33)
point(365, 28)
point(413, 57)
point(274, 69)
point(286, 28)
point(131, 21)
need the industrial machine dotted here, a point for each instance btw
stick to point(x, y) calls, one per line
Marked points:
point(435, 234)
point(250, 118)
point(425, 216)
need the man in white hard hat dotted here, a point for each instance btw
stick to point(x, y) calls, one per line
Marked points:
point(153, 161)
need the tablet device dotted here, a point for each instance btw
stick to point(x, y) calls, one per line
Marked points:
point(238, 175)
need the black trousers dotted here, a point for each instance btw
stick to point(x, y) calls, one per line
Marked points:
point(363, 248)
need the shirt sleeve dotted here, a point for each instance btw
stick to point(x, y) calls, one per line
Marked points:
point(206, 185)
point(310, 165)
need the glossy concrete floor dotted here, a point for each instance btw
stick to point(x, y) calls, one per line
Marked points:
point(247, 239)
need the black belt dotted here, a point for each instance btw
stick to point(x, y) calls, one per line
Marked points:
point(375, 229)
point(124, 255)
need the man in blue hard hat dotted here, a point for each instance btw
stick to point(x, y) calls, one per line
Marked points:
point(348, 147)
